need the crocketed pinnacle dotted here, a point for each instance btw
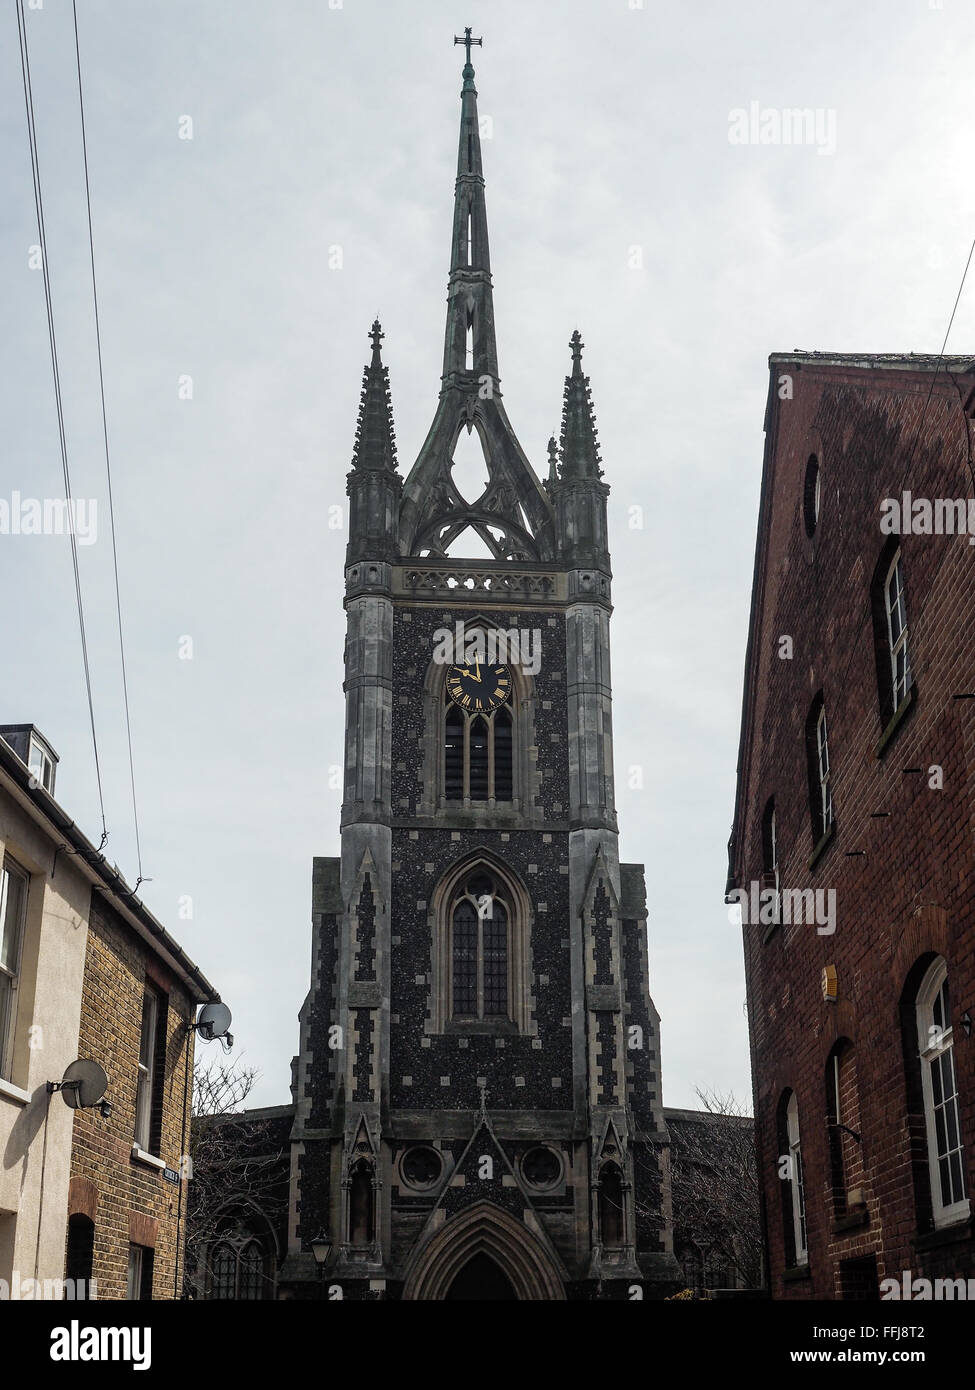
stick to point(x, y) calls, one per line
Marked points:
point(375, 438)
point(553, 465)
point(578, 446)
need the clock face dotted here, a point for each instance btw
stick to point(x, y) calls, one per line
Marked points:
point(478, 687)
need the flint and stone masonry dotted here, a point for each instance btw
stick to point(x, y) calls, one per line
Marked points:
point(443, 1149)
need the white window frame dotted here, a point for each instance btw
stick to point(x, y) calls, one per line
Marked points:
point(41, 763)
point(147, 1052)
point(817, 494)
point(822, 764)
point(774, 861)
point(11, 973)
point(136, 1271)
point(935, 1042)
point(799, 1235)
point(896, 605)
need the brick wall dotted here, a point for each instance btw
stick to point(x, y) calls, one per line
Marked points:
point(130, 1201)
point(900, 860)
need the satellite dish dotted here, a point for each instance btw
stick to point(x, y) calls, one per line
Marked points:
point(214, 1021)
point(83, 1085)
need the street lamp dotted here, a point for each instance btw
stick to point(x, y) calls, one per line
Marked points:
point(321, 1248)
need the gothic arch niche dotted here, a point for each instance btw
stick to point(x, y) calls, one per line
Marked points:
point(362, 1205)
point(447, 743)
point(466, 947)
point(361, 1190)
point(483, 1230)
point(611, 1207)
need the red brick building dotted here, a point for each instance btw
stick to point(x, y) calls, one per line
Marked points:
point(851, 852)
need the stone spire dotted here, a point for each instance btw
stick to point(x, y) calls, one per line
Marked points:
point(470, 349)
point(375, 438)
point(578, 447)
point(374, 486)
point(512, 516)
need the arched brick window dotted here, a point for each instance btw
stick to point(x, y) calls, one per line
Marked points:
point(891, 631)
point(843, 1125)
point(792, 1181)
point(933, 1062)
point(820, 770)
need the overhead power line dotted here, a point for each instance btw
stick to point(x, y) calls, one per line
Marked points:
point(42, 236)
point(108, 464)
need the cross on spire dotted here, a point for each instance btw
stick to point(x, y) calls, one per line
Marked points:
point(467, 41)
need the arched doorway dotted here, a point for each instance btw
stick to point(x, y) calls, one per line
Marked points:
point(480, 1279)
point(454, 1261)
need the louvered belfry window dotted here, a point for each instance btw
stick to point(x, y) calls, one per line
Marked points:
point(478, 755)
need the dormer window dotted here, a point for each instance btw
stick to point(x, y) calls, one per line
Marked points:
point(41, 763)
point(33, 749)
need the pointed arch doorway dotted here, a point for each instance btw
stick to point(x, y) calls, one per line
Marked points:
point(484, 1253)
point(480, 1279)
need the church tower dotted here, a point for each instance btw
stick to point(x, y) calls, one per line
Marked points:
point(478, 1104)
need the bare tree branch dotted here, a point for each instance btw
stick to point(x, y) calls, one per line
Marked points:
point(235, 1164)
point(715, 1194)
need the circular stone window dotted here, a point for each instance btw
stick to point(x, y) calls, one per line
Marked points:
point(421, 1167)
point(541, 1167)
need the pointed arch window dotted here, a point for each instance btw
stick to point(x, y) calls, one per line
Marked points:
point(481, 981)
point(239, 1267)
point(479, 951)
point(478, 754)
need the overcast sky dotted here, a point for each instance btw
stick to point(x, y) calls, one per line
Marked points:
point(618, 203)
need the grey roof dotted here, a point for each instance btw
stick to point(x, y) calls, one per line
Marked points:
point(148, 927)
point(898, 361)
point(704, 1117)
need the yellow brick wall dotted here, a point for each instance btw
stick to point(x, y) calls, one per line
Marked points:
point(130, 1195)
